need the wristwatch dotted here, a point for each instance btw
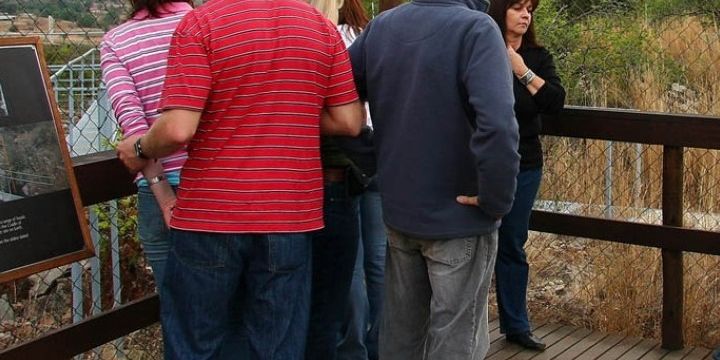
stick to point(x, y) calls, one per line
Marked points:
point(155, 179)
point(138, 149)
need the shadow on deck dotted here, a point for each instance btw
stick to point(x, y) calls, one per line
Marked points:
point(568, 342)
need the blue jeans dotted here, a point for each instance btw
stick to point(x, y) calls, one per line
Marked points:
point(716, 354)
point(210, 276)
point(359, 335)
point(153, 233)
point(334, 252)
point(511, 267)
point(436, 297)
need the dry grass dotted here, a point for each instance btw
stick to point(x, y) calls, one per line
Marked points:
point(618, 288)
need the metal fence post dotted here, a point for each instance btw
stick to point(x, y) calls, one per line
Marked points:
point(76, 275)
point(95, 277)
point(609, 180)
point(637, 181)
point(115, 256)
point(95, 266)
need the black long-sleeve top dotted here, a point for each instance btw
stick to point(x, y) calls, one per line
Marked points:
point(529, 109)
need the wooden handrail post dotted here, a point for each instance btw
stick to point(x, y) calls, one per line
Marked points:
point(673, 283)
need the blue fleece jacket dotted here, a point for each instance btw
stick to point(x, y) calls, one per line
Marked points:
point(439, 84)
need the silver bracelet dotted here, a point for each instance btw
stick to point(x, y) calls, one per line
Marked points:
point(155, 179)
point(527, 77)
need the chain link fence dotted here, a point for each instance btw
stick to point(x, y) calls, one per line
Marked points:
point(71, 32)
point(650, 55)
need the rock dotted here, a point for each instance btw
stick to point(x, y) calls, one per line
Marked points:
point(681, 98)
point(59, 301)
point(43, 281)
point(7, 313)
point(678, 87)
point(6, 337)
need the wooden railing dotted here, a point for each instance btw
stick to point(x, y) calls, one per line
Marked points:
point(101, 178)
point(674, 133)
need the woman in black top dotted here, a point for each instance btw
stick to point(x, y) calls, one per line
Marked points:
point(538, 91)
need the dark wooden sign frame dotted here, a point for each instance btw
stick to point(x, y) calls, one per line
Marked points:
point(43, 224)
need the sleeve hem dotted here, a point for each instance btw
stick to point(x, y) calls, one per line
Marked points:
point(180, 107)
point(341, 103)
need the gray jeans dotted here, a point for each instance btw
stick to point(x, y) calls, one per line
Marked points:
point(436, 298)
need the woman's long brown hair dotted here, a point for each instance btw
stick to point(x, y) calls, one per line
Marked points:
point(498, 10)
point(353, 13)
point(152, 6)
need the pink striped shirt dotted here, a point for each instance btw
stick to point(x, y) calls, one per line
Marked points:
point(133, 62)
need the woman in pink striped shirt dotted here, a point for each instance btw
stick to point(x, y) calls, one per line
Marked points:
point(133, 62)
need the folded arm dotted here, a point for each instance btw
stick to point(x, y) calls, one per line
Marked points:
point(346, 119)
point(168, 134)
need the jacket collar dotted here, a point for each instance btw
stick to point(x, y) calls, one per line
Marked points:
point(164, 10)
point(479, 5)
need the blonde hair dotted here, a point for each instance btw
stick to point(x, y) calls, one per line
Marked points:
point(329, 8)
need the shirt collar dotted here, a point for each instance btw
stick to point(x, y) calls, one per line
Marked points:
point(164, 10)
point(480, 5)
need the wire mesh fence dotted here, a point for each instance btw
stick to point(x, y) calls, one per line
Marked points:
point(30, 307)
point(650, 55)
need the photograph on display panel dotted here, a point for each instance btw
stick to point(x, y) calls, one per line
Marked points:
point(3, 105)
point(42, 221)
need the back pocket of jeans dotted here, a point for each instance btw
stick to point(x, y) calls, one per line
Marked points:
point(288, 252)
point(451, 252)
point(200, 251)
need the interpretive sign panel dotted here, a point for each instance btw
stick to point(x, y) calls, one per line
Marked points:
point(42, 221)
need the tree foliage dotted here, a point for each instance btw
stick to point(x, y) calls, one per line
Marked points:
point(62, 9)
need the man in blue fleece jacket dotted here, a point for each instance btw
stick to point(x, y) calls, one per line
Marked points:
point(438, 80)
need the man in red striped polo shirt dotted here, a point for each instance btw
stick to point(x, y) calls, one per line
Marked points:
point(249, 87)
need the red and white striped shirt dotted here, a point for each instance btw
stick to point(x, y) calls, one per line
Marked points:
point(260, 71)
point(133, 60)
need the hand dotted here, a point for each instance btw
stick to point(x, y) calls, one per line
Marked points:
point(167, 209)
point(467, 200)
point(518, 64)
point(472, 201)
point(126, 154)
point(165, 197)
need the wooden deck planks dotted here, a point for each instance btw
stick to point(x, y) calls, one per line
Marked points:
point(570, 343)
point(699, 354)
point(574, 351)
point(656, 353)
point(555, 350)
point(677, 354)
point(494, 329)
point(601, 347)
point(639, 350)
point(619, 349)
point(559, 347)
point(550, 340)
point(502, 349)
